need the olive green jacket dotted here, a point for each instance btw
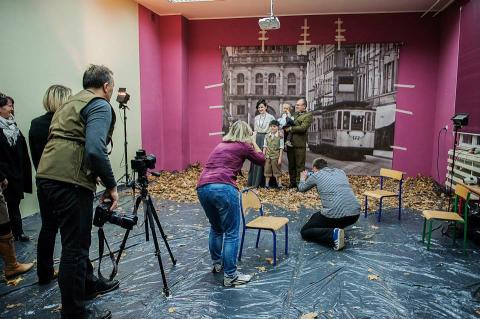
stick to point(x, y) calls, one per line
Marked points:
point(299, 131)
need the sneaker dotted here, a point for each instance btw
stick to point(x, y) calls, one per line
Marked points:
point(338, 239)
point(217, 268)
point(239, 279)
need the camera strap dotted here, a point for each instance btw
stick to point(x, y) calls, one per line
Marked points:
point(102, 240)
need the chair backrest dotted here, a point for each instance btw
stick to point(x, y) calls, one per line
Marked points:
point(385, 172)
point(462, 191)
point(250, 200)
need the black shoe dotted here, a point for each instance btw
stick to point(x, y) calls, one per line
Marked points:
point(292, 186)
point(101, 287)
point(47, 280)
point(22, 237)
point(95, 313)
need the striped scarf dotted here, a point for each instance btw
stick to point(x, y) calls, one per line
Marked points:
point(10, 130)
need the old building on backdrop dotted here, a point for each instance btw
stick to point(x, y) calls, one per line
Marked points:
point(277, 74)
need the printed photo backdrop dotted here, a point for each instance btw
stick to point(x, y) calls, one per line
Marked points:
point(350, 92)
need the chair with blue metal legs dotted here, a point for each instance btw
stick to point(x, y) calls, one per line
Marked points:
point(381, 193)
point(462, 198)
point(250, 201)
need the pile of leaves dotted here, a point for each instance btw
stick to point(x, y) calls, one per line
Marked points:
point(418, 192)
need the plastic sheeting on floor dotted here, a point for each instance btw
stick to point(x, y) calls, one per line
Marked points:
point(384, 272)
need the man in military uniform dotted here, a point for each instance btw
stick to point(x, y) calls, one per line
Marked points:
point(74, 157)
point(296, 154)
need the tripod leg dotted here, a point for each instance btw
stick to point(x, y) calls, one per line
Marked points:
point(122, 246)
point(145, 216)
point(155, 216)
point(149, 213)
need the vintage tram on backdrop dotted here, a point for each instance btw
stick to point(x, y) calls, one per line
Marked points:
point(344, 130)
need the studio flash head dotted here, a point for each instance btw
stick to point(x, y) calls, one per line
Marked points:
point(123, 97)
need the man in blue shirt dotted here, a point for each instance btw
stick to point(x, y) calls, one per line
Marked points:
point(340, 207)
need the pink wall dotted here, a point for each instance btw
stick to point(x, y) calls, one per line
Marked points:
point(418, 65)
point(468, 90)
point(202, 62)
point(163, 74)
point(446, 86)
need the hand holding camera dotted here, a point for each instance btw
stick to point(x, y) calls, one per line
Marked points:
point(111, 194)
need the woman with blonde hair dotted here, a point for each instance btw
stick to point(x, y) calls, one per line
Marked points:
point(219, 196)
point(53, 100)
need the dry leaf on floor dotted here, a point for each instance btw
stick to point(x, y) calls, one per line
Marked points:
point(261, 269)
point(172, 309)
point(419, 192)
point(310, 315)
point(372, 277)
point(477, 311)
point(269, 260)
point(15, 282)
point(14, 305)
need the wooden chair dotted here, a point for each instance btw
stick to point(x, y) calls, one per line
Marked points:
point(250, 201)
point(380, 194)
point(462, 197)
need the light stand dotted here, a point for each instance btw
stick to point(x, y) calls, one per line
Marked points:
point(122, 98)
point(450, 189)
point(459, 120)
point(125, 144)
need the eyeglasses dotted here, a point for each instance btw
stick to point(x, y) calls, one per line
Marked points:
point(2, 96)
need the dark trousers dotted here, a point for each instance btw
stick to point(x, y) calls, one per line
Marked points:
point(71, 208)
point(296, 163)
point(319, 228)
point(46, 240)
point(13, 205)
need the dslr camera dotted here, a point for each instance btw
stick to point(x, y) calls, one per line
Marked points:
point(142, 161)
point(103, 215)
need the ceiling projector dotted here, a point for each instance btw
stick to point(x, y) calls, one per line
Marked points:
point(269, 23)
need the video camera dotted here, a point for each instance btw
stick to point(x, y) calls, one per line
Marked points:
point(142, 161)
point(103, 214)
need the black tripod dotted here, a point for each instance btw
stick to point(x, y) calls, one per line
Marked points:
point(151, 218)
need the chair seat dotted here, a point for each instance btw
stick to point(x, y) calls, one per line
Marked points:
point(438, 214)
point(268, 222)
point(379, 193)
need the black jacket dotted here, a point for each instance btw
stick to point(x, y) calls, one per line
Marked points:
point(15, 166)
point(38, 136)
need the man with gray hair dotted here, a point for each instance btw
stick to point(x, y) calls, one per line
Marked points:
point(340, 207)
point(74, 157)
point(296, 153)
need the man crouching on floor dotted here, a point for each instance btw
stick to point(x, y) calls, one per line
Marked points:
point(340, 207)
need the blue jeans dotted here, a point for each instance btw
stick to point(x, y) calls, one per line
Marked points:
point(221, 205)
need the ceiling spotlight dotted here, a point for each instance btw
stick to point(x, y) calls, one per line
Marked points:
point(269, 23)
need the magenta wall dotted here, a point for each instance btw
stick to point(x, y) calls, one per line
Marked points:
point(203, 64)
point(163, 74)
point(446, 91)
point(468, 86)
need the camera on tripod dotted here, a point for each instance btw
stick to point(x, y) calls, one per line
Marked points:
point(142, 161)
point(103, 214)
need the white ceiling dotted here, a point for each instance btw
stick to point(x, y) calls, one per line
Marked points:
point(258, 8)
